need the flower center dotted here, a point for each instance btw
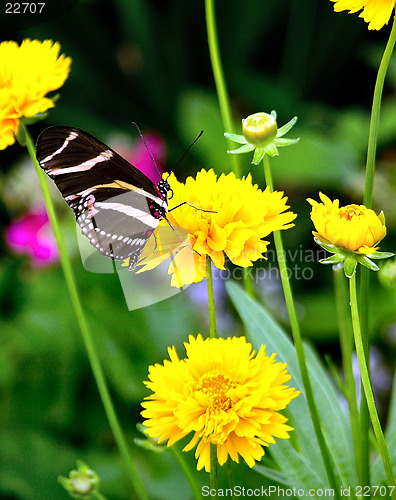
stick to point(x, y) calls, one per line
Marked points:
point(216, 385)
point(350, 211)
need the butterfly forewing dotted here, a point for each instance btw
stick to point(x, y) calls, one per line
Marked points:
point(116, 206)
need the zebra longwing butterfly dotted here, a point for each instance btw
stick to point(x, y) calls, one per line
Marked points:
point(116, 206)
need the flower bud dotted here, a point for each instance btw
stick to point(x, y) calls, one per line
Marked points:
point(81, 482)
point(259, 129)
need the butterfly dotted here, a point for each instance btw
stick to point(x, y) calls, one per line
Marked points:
point(116, 206)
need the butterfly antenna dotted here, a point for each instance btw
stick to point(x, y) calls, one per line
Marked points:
point(148, 150)
point(188, 149)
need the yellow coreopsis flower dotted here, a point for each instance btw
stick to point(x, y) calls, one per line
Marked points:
point(351, 232)
point(223, 394)
point(27, 74)
point(375, 12)
point(9, 119)
point(233, 216)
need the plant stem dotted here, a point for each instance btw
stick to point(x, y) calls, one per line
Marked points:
point(211, 301)
point(367, 201)
point(187, 472)
point(93, 357)
point(295, 328)
point(364, 455)
point(213, 468)
point(224, 103)
point(212, 335)
point(375, 117)
point(219, 78)
point(346, 343)
point(382, 446)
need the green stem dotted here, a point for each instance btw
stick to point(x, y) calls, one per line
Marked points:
point(224, 102)
point(375, 117)
point(84, 328)
point(295, 328)
point(211, 301)
point(219, 79)
point(230, 477)
point(367, 201)
point(212, 335)
point(213, 469)
point(364, 459)
point(346, 343)
point(382, 446)
point(187, 472)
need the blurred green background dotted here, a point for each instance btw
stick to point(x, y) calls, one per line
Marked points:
point(147, 61)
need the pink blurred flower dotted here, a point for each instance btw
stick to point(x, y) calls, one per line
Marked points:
point(32, 235)
point(140, 157)
point(138, 154)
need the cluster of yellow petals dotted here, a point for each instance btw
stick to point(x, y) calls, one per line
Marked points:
point(223, 394)
point(375, 12)
point(27, 73)
point(353, 227)
point(233, 216)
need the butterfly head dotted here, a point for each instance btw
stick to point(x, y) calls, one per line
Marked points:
point(164, 188)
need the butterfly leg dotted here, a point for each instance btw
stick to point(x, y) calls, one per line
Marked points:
point(193, 206)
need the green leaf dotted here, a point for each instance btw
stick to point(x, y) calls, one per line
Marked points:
point(276, 476)
point(301, 465)
point(377, 469)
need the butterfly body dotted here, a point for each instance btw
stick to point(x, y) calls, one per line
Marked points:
point(116, 206)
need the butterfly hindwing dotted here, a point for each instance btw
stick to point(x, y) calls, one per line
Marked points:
point(118, 227)
point(116, 206)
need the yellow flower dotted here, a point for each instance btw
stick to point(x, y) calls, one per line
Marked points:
point(240, 216)
point(224, 395)
point(27, 73)
point(8, 119)
point(375, 12)
point(353, 227)
point(351, 233)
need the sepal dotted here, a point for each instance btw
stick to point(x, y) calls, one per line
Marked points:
point(350, 264)
point(333, 259)
point(236, 138)
point(381, 255)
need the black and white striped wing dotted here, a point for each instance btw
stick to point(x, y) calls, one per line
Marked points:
point(116, 206)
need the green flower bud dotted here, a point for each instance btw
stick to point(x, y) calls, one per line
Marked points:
point(259, 129)
point(81, 482)
point(261, 135)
